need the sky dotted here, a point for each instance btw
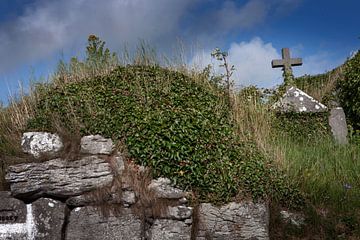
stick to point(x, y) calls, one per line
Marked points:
point(36, 34)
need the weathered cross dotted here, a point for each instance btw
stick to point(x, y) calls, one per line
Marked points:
point(286, 62)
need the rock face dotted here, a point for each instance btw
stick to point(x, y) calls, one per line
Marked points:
point(96, 144)
point(337, 122)
point(41, 220)
point(39, 143)
point(233, 221)
point(59, 178)
point(87, 223)
point(295, 100)
point(157, 211)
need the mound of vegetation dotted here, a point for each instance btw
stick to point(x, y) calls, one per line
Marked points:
point(180, 128)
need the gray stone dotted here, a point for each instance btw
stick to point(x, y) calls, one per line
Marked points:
point(295, 219)
point(49, 218)
point(96, 144)
point(42, 219)
point(295, 100)
point(162, 189)
point(41, 143)
point(58, 178)
point(165, 229)
point(86, 223)
point(233, 221)
point(337, 122)
point(126, 197)
point(180, 212)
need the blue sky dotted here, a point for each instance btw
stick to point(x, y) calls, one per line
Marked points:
point(36, 34)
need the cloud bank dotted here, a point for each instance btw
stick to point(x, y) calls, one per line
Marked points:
point(48, 27)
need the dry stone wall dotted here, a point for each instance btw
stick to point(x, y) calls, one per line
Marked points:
point(94, 197)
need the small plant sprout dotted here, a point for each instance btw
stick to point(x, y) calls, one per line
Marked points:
point(229, 70)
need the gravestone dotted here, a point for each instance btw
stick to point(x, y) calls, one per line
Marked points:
point(40, 220)
point(337, 122)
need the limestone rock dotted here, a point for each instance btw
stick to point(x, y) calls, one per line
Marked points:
point(163, 189)
point(337, 122)
point(126, 197)
point(96, 144)
point(180, 212)
point(233, 221)
point(49, 218)
point(41, 143)
point(58, 178)
point(295, 100)
point(87, 223)
point(165, 229)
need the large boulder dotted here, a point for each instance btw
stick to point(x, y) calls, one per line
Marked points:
point(60, 178)
point(244, 220)
point(87, 223)
point(41, 143)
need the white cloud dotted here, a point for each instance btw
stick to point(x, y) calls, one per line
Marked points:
point(252, 61)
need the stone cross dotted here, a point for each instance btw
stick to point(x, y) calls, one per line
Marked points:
point(286, 62)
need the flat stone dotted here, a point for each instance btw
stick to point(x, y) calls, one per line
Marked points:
point(165, 229)
point(162, 189)
point(58, 178)
point(295, 100)
point(244, 220)
point(41, 143)
point(96, 144)
point(337, 122)
point(86, 223)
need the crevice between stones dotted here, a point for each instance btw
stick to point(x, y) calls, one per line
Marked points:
point(67, 212)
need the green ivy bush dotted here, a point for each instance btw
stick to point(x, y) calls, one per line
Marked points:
point(349, 91)
point(172, 124)
point(303, 127)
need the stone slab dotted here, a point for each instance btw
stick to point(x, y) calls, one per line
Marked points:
point(96, 144)
point(87, 223)
point(59, 178)
point(337, 122)
point(244, 220)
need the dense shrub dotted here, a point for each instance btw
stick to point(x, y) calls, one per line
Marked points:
point(349, 91)
point(174, 125)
